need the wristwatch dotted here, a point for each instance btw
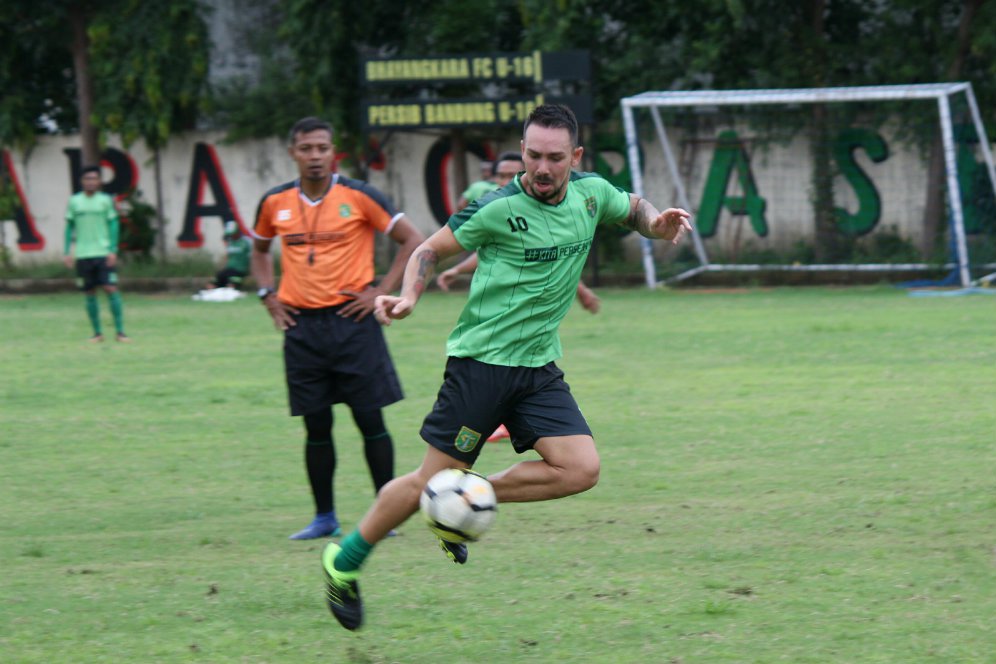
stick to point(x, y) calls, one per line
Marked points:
point(265, 293)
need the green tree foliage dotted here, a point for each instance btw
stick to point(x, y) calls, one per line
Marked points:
point(641, 45)
point(149, 62)
point(35, 71)
point(148, 65)
point(311, 52)
point(637, 45)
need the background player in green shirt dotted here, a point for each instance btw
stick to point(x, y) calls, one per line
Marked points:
point(92, 223)
point(238, 249)
point(532, 238)
point(477, 189)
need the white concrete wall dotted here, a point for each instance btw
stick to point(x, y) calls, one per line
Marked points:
point(250, 168)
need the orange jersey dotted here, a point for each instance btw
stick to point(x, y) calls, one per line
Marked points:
point(327, 246)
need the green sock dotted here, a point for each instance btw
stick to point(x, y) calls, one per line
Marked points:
point(117, 310)
point(93, 311)
point(355, 550)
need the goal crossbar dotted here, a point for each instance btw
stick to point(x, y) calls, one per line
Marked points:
point(940, 92)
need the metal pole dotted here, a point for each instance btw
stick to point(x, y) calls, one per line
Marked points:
point(672, 165)
point(980, 132)
point(954, 191)
point(633, 156)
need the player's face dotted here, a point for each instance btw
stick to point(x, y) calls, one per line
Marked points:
point(90, 182)
point(549, 155)
point(314, 154)
point(506, 171)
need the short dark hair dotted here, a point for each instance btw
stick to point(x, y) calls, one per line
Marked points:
point(511, 155)
point(306, 126)
point(90, 168)
point(555, 116)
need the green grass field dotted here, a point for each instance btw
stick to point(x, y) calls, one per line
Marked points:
point(788, 476)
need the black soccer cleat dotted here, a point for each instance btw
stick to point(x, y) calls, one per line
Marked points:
point(455, 551)
point(342, 592)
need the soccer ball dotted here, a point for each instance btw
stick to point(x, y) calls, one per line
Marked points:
point(459, 505)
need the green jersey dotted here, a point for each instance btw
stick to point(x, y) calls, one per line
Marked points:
point(478, 189)
point(93, 220)
point(238, 252)
point(530, 257)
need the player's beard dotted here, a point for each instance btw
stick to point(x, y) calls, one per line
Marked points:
point(552, 194)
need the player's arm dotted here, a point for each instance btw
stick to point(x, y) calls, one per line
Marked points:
point(588, 299)
point(408, 237)
point(261, 266)
point(113, 232)
point(466, 266)
point(67, 256)
point(646, 220)
point(418, 272)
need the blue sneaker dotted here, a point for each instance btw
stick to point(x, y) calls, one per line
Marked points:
point(323, 525)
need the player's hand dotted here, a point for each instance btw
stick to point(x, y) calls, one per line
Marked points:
point(112, 260)
point(671, 224)
point(390, 307)
point(588, 299)
point(68, 261)
point(446, 278)
point(362, 304)
point(282, 314)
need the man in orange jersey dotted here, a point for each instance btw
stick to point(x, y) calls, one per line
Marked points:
point(334, 350)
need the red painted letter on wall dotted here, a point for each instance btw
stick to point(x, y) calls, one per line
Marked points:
point(206, 171)
point(28, 237)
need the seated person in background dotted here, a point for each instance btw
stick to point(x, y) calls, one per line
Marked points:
point(238, 248)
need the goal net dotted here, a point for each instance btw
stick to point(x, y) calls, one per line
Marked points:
point(819, 179)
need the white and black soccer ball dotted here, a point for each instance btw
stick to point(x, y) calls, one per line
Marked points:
point(459, 505)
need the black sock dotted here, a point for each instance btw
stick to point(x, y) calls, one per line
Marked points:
point(377, 446)
point(319, 459)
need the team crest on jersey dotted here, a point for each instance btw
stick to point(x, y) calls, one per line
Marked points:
point(344, 210)
point(467, 439)
point(590, 205)
point(283, 215)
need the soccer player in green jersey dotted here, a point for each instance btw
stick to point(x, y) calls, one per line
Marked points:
point(92, 222)
point(532, 237)
point(507, 166)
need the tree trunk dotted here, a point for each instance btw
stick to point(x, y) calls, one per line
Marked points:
point(826, 238)
point(827, 247)
point(84, 85)
point(160, 218)
point(933, 213)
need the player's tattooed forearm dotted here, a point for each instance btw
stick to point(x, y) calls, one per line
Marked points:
point(427, 260)
point(641, 218)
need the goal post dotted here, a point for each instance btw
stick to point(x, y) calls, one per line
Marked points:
point(941, 93)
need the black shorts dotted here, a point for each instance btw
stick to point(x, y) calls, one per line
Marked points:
point(330, 359)
point(229, 277)
point(93, 272)
point(532, 403)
